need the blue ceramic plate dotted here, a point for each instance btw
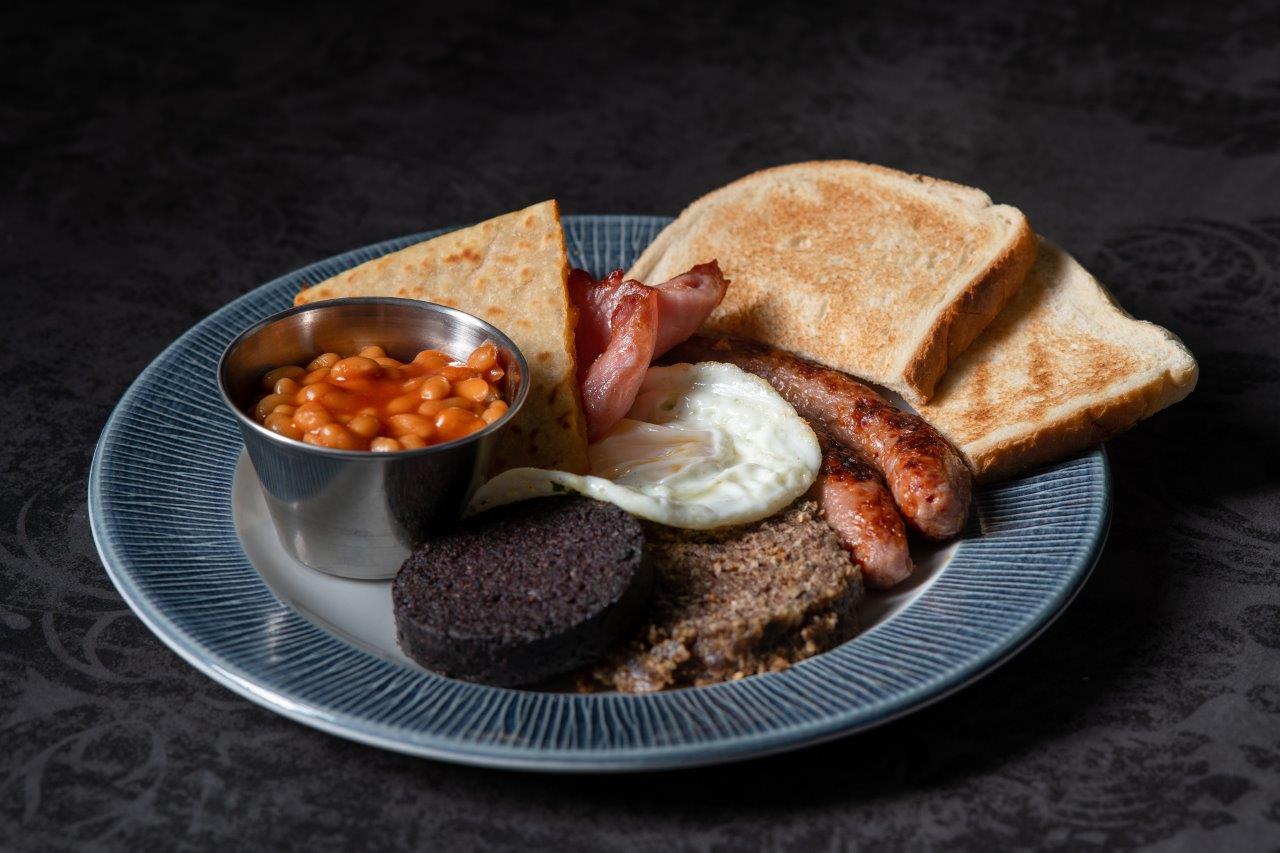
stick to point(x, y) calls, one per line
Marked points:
point(161, 495)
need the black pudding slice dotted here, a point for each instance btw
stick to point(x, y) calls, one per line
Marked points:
point(524, 591)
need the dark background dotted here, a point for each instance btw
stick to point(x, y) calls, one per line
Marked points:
point(156, 165)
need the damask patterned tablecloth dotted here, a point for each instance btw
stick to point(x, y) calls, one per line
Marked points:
point(158, 165)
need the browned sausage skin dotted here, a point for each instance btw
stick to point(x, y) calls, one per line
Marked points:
point(930, 483)
point(858, 508)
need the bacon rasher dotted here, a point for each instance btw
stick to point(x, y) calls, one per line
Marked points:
point(623, 325)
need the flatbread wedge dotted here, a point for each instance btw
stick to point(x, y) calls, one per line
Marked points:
point(883, 274)
point(1062, 368)
point(510, 271)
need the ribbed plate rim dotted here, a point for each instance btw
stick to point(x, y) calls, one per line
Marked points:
point(124, 571)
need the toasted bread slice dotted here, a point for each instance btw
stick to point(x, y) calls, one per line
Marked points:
point(882, 274)
point(1061, 368)
point(511, 271)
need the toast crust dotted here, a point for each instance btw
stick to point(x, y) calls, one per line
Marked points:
point(961, 323)
point(876, 272)
point(1074, 430)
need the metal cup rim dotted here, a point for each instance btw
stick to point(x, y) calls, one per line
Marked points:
point(368, 455)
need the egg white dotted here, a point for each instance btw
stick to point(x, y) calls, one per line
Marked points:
point(705, 445)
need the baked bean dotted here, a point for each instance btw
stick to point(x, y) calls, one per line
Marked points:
point(355, 367)
point(474, 389)
point(435, 388)
point(329, 359)
point(484, 357)
point(313, 392)
point(431, 408)
point(493, 411)
point(411, 425)
point(271, 377)
point(365, 426)
point(402, 405)
point(267, 404)
point(460, 403)
point(456, 372)
point(283, 424)
point(311, 416)
point(431, 360)
point(339, 437)
point(370, 401)
point(454, 423)
point(335, 400)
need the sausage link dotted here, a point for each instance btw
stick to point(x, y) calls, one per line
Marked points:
point(857, 506)
point(929, 482)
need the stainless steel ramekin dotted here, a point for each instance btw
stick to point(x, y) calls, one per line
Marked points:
point(352, 513)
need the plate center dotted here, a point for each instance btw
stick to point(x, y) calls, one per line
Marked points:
point(359, 611)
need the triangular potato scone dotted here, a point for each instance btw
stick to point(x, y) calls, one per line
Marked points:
point(510, 271)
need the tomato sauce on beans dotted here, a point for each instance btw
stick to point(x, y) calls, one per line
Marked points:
point(369, 401)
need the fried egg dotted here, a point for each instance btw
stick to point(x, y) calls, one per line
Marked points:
point(705, 445)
